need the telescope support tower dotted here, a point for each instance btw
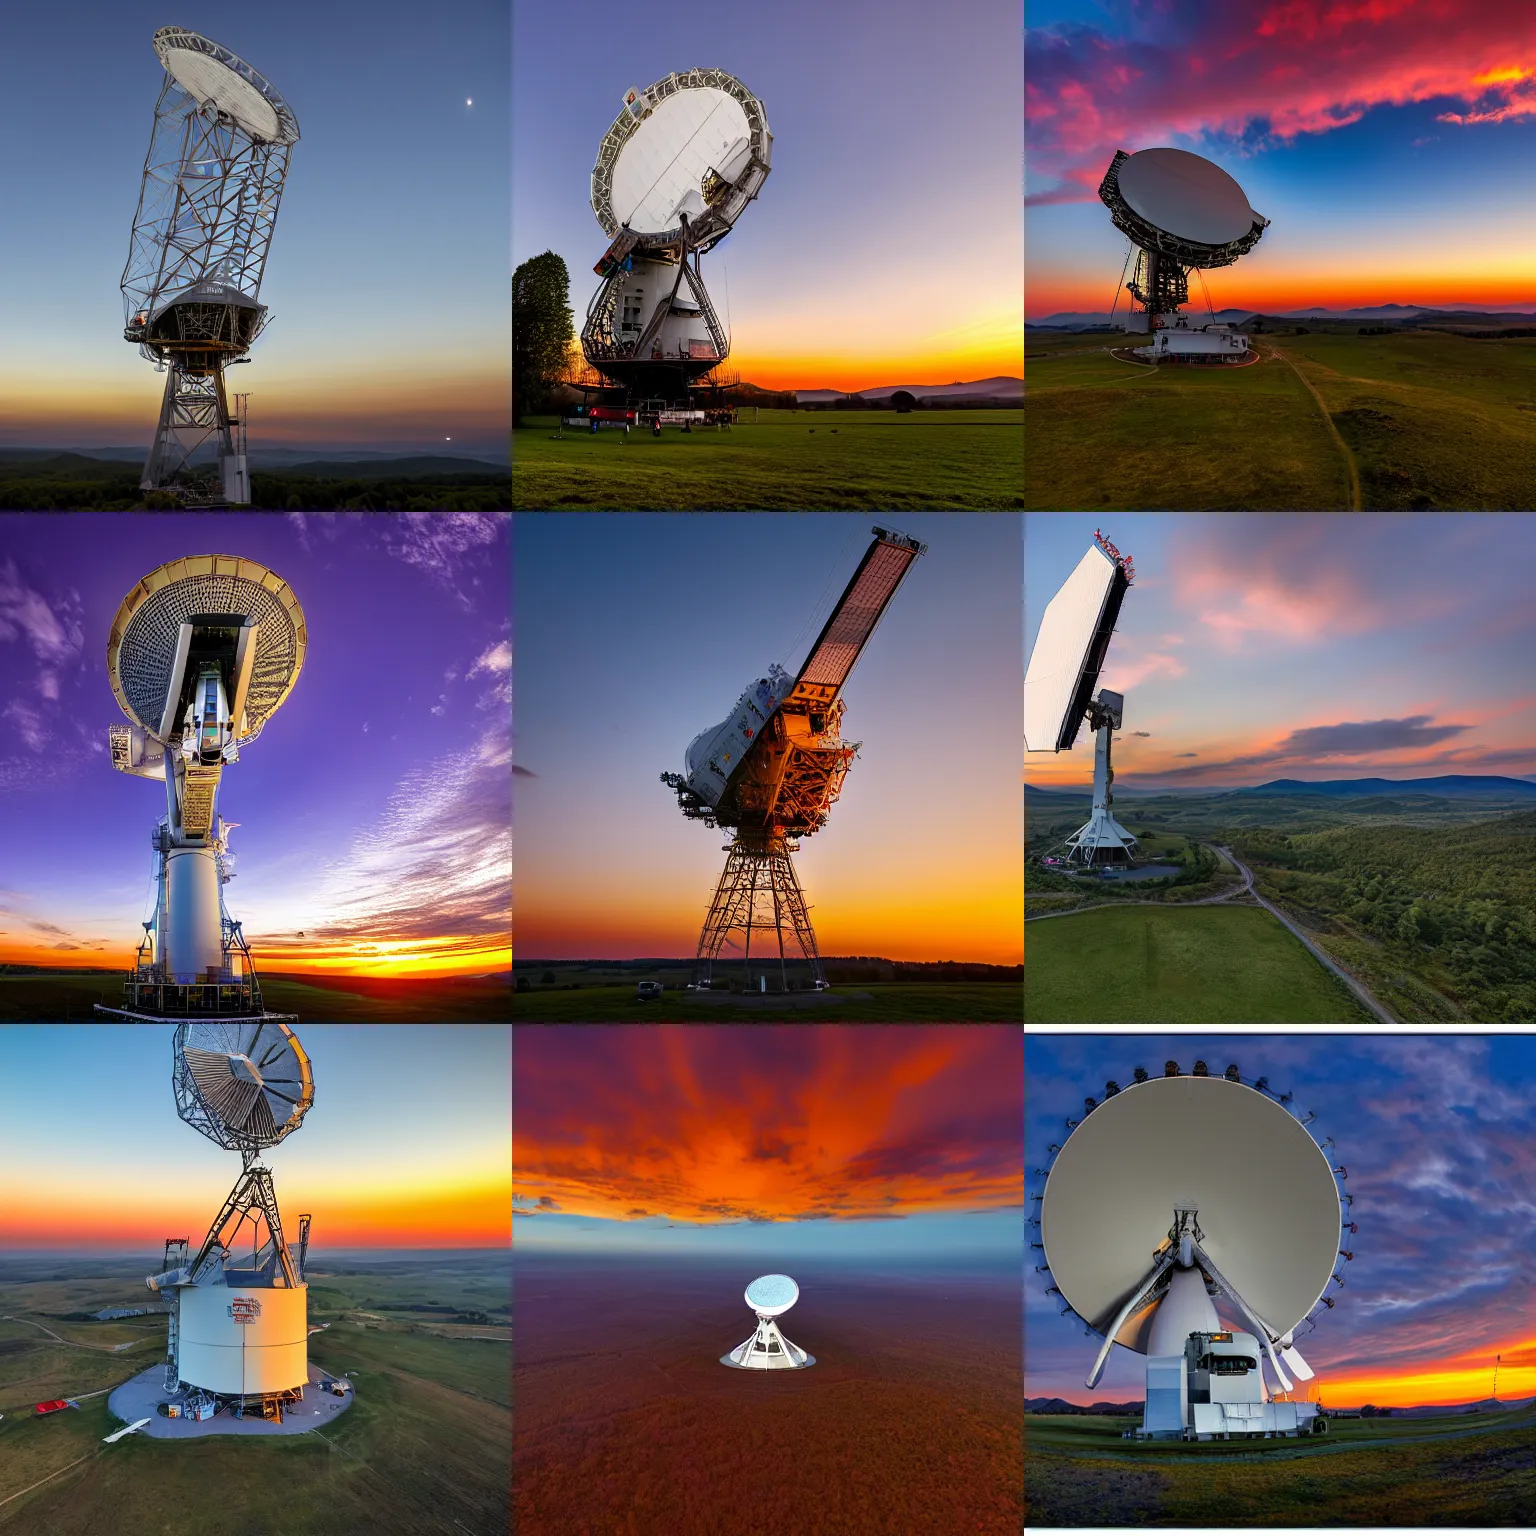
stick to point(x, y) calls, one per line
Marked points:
point(196, 408)
point(759, 891)
point(1101, 839)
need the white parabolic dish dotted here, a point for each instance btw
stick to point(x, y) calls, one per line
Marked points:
point(661, 170)
point(210, 73)
point(1061, 649)
point(1187, 195)
point(1264, 1191)
point(770, 1295)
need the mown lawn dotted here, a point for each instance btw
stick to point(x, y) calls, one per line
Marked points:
point(788, 460)
point(1190, 965)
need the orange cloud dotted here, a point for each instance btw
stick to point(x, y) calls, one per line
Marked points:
point(767, 1123)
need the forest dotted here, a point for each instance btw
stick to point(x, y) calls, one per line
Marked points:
point(1456, 905)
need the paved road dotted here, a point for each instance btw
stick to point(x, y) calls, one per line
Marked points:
point(1377, 1011)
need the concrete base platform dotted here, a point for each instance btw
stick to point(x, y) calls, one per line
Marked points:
point(140, 1397)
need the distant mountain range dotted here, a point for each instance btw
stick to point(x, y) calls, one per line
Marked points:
point(1004, 386)
point(1451, 786)
point(1070, 320)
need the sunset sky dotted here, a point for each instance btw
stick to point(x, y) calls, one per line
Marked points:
point(1439, 1138)
point(373, 812)
point(405, 1147)
point(1390, 143)
point(886, 245)
point(1256, 646)
point(387, 279)
point(635, 633)
point(843, 1143)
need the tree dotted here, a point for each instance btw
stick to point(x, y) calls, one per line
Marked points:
point(547, 979)
point(903, 401)
point(542, 335)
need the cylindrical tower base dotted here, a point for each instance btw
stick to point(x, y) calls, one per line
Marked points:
point(194, 938)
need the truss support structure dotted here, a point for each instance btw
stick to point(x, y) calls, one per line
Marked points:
point(195, 411)
point(759, 898)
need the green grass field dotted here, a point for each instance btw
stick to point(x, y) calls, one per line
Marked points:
point(1192, 965)
point(1452, 1471)
point(424, 1448)
point(1432, 420)
point(789, 460)
point(867, 1003)
point(66, 997)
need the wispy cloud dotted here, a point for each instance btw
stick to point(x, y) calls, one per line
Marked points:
point(451, 547)
point(432, 878)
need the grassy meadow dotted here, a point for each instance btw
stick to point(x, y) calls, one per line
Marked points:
point(787, 460)
point(1170, 965)
point(1430, 420)
point(1459, 1470)
point(424, 1447)
point(858, 1003)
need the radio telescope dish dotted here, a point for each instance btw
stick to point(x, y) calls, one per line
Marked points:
point(768, 1349)
point(213, 592)
point(1069, 651)
point(213, 179)
point(1266, 1206)
point(239, 1326)
point(1188, 197)
point(694, 144)
point(769, 1295)
point(1183, 213)
point(214, 77)
point(246, 1085)
point(772, 770)
point(1059, 683)
point(201, 654)
point(674, 173)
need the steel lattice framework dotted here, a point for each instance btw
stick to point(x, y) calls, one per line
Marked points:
point(759, 893)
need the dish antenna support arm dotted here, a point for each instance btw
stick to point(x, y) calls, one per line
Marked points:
point(1139, 1294)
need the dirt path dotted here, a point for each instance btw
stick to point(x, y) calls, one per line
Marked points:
point(1333, 431)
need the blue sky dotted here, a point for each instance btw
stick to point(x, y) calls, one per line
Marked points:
point(1438, 1134)
point(387, 279)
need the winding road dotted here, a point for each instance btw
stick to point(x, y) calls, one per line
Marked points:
point(1367, 999)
